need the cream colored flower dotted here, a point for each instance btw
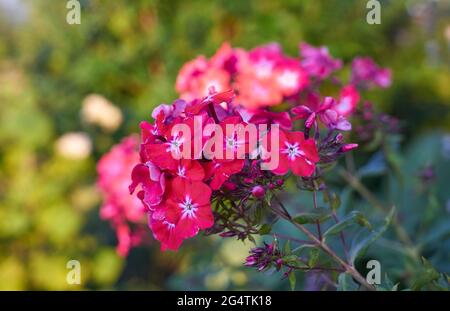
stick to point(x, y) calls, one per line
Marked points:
point(100, 111)
point(75, 145)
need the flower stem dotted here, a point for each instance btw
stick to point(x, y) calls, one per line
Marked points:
point(319, 231)
point(348, 268)
point(358, 186)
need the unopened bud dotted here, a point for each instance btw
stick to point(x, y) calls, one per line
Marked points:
point(348, 147)
point(230, 186)
point(248, 180)
point(258, 192)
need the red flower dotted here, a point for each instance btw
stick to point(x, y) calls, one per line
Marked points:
point(220, 172)
point(191, 170)
point(152, 181)
point(295, 153)
point(164, 231)
point(189, 203)
point(283, 119)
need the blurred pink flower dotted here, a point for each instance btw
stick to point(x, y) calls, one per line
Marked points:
point(318, 61)
point(124, 211)
point(366, 73)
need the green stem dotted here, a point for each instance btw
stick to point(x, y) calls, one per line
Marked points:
point(325, 248)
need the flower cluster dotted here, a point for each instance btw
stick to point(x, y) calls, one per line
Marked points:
point(183, 180)
point(262, 77)
point(125, 213)
point(177, 191)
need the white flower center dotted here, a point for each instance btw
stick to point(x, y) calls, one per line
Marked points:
point(293, 151)
point(231, 142)
point(174, 145)
point(188, 208)
point(264, 68)
point(288, 79)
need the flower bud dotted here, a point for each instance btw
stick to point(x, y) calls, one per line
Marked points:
point(227, 234)
point(348, 147)
point(339, 138)
point(258, 192)
point(280, 182)
point(230, 186)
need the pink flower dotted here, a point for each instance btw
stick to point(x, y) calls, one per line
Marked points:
point(225, 58)
point(348, 101)
point(317, 61)
point(366, 73)
point(290, 77)
point(325, 112)
point(296, 153)
point(218, 79)
point(189, 72)
point(170, 111)
point(256, 92)
point(121, 209)
point(333, 120)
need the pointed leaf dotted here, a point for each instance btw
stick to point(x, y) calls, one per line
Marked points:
point(265, 229)
point(360, 247)
point(318, 214)
point(292, 280)
point(354, 217)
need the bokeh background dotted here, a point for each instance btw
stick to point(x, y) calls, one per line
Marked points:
point(129, 53)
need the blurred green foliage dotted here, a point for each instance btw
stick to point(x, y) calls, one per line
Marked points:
point(130, 52)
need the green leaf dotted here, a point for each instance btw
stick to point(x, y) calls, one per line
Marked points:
point(318, 214)
point(287, 247)
point(293, 261)
point(427, 276)
point(265, 229)
point(313, 257)
point(290, 259)
point(359, 248)
point(346, 283)
point(354, 217)
point(292, 280)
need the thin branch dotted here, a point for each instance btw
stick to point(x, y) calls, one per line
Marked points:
point(324, 247)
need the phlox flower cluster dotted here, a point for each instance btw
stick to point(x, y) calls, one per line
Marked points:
point(183, 195)
point(177, 193)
